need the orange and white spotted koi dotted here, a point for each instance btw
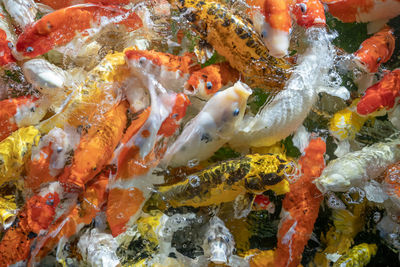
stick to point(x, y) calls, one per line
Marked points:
point(381, 95)
point(363, 10)
point(205, 82)
point(177, 72)
point(80, 214)
point(37, 215)
point(376, 50)
point(300, 207)
point(60, 27)
point(272, 20)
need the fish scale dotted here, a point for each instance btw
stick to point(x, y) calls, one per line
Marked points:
point(236, 40)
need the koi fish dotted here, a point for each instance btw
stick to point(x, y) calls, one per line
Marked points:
point(7, 39)
point(134, 180)
point(359, 255)
point(23, 12)
point(95, 149)
point(82, 213)
point(381, 95)
point(36, 215)
point(211, 128)
point(236, 40)
point(12, 111)
point(61, 26)
point(169, 70)
point(224, 182)
point(14, 152)
point(376, 50)
point(363, 10)
point(346, 123)
point(100, 89)
point(58, 4)
point(281, 116)
point(49, 157)
point(272, 20)
point(300, 207)
point(354, 168)
point(205, 82)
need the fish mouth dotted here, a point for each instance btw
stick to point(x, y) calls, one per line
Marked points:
point(243, 90)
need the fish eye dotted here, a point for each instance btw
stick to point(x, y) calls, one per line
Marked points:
point(378, 60)
point(263, 34)
point(303, 7)
point(29, 49)
point(142, 60)
point(236, 112)
point(209, 85)
point(10, 45)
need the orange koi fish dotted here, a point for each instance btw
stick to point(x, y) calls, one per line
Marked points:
point(79, 215)
point(205, 82)
point(10, 112)
point(309, 13)
point(61, 26)
point(58, 4)
point(37, 215)
point(363, 10)
point(301, 206)
point(272, 20)
point(95, 149)
point(376, 50)
point(383, 94)
point(131, 184)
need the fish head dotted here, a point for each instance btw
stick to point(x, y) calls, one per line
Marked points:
point(226, 108)
point(204, 83)
point(309, 13)
point(375, 50)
